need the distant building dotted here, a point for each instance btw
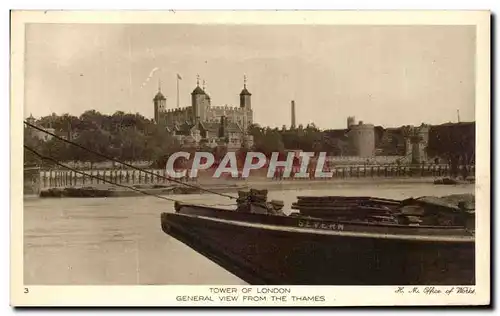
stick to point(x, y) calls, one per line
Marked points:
point(392, 142)
point(408, 141)
point(356, 140)
point(419, 139)
point(367, 140)
point(40, 134)
point(362, 139)
point(211, 134)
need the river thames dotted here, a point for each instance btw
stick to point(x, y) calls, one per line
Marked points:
point(105, 241)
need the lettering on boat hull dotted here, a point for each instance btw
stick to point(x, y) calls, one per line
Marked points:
point(320, 225)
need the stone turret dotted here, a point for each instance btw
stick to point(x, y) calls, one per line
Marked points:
point(160, 105)
point(198, 98)
point(245, 96)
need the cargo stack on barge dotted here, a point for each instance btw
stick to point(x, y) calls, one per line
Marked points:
point(348, 208)
point(431, 211)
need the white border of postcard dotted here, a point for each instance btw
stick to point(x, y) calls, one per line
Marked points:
point(168, 295)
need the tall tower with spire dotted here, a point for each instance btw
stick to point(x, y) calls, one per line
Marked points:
point(198, 98)
point(160, 105)
point(245, 96)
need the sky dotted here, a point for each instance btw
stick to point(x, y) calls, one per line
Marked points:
point(383, 75)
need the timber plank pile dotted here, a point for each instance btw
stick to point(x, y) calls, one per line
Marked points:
point(453, 210)
point(450, 210)
point(347, 208)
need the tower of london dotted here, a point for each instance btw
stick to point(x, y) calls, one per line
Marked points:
point(202, 111)
point(202, 123)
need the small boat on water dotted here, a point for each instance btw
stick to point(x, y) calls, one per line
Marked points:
point(333, 240)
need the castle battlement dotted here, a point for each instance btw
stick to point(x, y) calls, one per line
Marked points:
point(176, 110)
point(229, 108)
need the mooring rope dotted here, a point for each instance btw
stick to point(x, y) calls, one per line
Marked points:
point(126, 164)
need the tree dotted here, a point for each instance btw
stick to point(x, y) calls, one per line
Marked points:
point(34, 143)
point(94, 139)
point(56, 149)
point(130, 142)
point(335, 146)
point(291, 139)
point(159, 144)
point(123, 136)
point(92, 119)
point(269, 142)
point(454, 142)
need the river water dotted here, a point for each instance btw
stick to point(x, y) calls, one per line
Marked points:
point(103, 241)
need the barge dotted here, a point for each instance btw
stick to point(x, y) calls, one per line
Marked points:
point(333, 240)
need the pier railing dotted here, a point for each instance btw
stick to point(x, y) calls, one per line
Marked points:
point(66, 178)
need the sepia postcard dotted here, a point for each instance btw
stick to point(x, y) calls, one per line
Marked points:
point(250, 158)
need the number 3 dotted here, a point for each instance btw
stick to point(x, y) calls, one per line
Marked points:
point(26, 290)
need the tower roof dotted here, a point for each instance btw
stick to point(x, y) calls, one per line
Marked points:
point(159, 96)
point(198, 90)
point(245, 91)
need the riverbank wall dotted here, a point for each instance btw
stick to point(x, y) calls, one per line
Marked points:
point(228, 188)
point(154, 181)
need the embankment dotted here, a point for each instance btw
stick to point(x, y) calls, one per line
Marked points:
point(221, 186)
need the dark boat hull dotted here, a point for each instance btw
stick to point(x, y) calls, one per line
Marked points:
point(314, 252)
